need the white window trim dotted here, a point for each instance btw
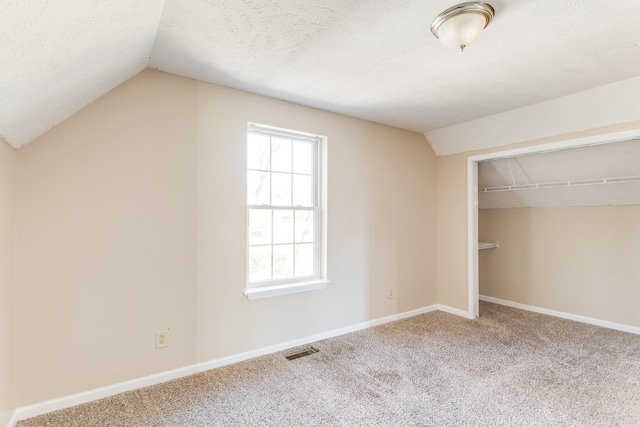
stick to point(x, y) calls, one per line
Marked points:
point(319, 280)
point(289, 288)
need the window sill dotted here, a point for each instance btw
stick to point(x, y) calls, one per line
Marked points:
point(290, 288)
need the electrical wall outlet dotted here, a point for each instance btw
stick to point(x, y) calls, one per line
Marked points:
point(392, 293)
point(162, 338)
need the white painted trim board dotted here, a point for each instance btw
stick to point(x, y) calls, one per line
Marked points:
point(25, 412)
point(607, 105)
point(455, 311)
point(30, 411)
point(564, 315)
point(13, 420)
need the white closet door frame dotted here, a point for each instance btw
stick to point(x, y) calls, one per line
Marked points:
point(472, 197)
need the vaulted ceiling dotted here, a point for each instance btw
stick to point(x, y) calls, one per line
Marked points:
point(372, 59)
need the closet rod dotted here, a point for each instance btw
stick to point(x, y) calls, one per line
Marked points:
point(614, 180)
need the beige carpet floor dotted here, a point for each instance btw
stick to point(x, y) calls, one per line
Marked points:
point(508, 368)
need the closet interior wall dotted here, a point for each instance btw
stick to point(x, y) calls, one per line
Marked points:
point(567, 229)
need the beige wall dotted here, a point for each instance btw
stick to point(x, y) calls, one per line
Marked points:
point(106, 246)
point(131, 218)
point(8, 161)
point(452, 231)
point(452, 214)
point(381, 224)
point(576, 260)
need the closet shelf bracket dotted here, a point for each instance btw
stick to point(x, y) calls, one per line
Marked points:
point(488, 245)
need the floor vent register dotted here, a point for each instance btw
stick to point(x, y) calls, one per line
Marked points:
point(302, 354)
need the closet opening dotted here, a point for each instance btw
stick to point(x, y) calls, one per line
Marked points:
point(511, 184)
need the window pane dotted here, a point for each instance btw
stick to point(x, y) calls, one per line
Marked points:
point(281, 188)
point(258, 150)
point(259, 226)
point(302, 190)
point(281, 155)
point(282, 261)
point(282, 226)
point(303, 157)
point(282, 206)
point(257, 188)
point(259, 263)
point(304, 226)
point(304, 260)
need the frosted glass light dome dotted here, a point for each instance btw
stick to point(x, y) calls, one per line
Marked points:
point(461, 25)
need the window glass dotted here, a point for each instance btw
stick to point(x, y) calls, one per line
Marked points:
point(282, 206)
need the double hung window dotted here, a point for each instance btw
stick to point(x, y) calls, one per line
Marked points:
point(283, 207)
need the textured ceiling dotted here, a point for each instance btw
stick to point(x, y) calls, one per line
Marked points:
point(373, 59)
point(573, 177)
point(58, 56)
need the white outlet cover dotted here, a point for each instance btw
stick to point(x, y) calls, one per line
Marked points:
point(162, 339)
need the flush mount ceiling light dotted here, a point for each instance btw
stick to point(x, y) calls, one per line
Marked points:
point(460, 25)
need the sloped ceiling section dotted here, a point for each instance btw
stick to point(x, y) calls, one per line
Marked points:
point(377, 59)
point(58, 56)
point(599, 175)
point(372, 59)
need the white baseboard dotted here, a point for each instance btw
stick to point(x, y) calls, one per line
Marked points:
point(24, 412)
point(13, 420)
point(455, 311)
point(563, 315)
point(216, 363)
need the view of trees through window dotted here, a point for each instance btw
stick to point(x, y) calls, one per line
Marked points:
point(282, 202)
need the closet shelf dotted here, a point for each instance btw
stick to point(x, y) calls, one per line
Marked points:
point(487, 245)
point(514, 187)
